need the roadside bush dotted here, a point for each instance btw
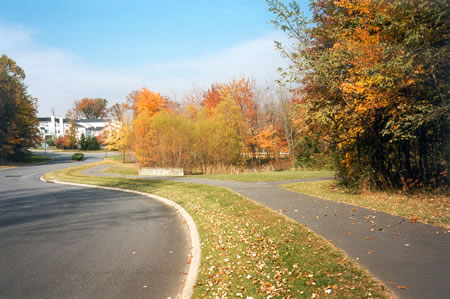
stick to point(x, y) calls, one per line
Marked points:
point(77, 156)
point(61, 143)
point(50, 140)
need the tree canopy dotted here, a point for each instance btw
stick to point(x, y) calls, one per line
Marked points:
point(18, 120)
point(88, 108)
point(373, 76)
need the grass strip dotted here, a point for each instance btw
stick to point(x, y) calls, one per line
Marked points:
point(131, 169)
point(268, 176)
point(248, 249)
point(428, 208)
point(122, 169)
point(28, 160)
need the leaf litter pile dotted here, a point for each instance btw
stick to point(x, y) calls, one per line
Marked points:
point(251, 251)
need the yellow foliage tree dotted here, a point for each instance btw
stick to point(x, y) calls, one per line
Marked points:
point(119, 138)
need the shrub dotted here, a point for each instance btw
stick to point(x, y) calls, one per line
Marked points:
point(50, 140)
point(61, 143)
point(77, 156)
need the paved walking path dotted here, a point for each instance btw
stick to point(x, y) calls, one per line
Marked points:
point(398, 252)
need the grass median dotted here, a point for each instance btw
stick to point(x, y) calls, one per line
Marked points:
point(250, 250)
point(268, 176)
point(131, 169)
point(428, 208)
point(28, 160)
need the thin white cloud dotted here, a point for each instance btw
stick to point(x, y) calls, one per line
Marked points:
point(57, 77)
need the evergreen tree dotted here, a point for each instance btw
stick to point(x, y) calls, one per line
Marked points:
point(83, 142)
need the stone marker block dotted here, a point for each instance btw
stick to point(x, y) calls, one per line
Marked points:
point(155, 171)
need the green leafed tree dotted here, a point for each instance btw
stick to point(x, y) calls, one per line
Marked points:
point(18, 120)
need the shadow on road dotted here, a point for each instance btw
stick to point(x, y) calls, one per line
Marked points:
point(53, 212)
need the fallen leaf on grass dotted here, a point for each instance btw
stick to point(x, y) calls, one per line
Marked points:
point(414, 219)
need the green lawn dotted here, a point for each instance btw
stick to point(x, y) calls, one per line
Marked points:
point(28, 160)
point(249, 250)
point(114, 158)
point(42, 149)
point(131, 169)
point(428, 208)
point(127, 169)
point(268, 176)
point(77, 150)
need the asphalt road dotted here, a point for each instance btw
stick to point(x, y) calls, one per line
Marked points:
point(60, 241)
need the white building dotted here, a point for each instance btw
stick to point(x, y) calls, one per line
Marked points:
point(52, 126)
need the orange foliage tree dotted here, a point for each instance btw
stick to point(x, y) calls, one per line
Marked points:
point(88, 108)
point(146, 105)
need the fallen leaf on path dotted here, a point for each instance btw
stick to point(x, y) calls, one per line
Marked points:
point(401, 287)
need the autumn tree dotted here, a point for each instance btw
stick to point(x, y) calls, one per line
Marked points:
point(146, 105)
point(276, 115)
point(373, 75)
point(88, 108)
point(242, 93)
point(18, 120)
point(71, 135)
point(217, 140)
point(118, 111)
point(174, 136)
point(196, 137)
point(212, 97)
point(119, 134)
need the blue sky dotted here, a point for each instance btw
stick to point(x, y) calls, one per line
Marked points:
point(74, 49)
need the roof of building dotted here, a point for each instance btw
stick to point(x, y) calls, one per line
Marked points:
point(83, 120)
point(92, 120)
point(44, 119)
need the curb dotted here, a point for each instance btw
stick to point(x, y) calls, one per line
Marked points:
point(191, 277)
